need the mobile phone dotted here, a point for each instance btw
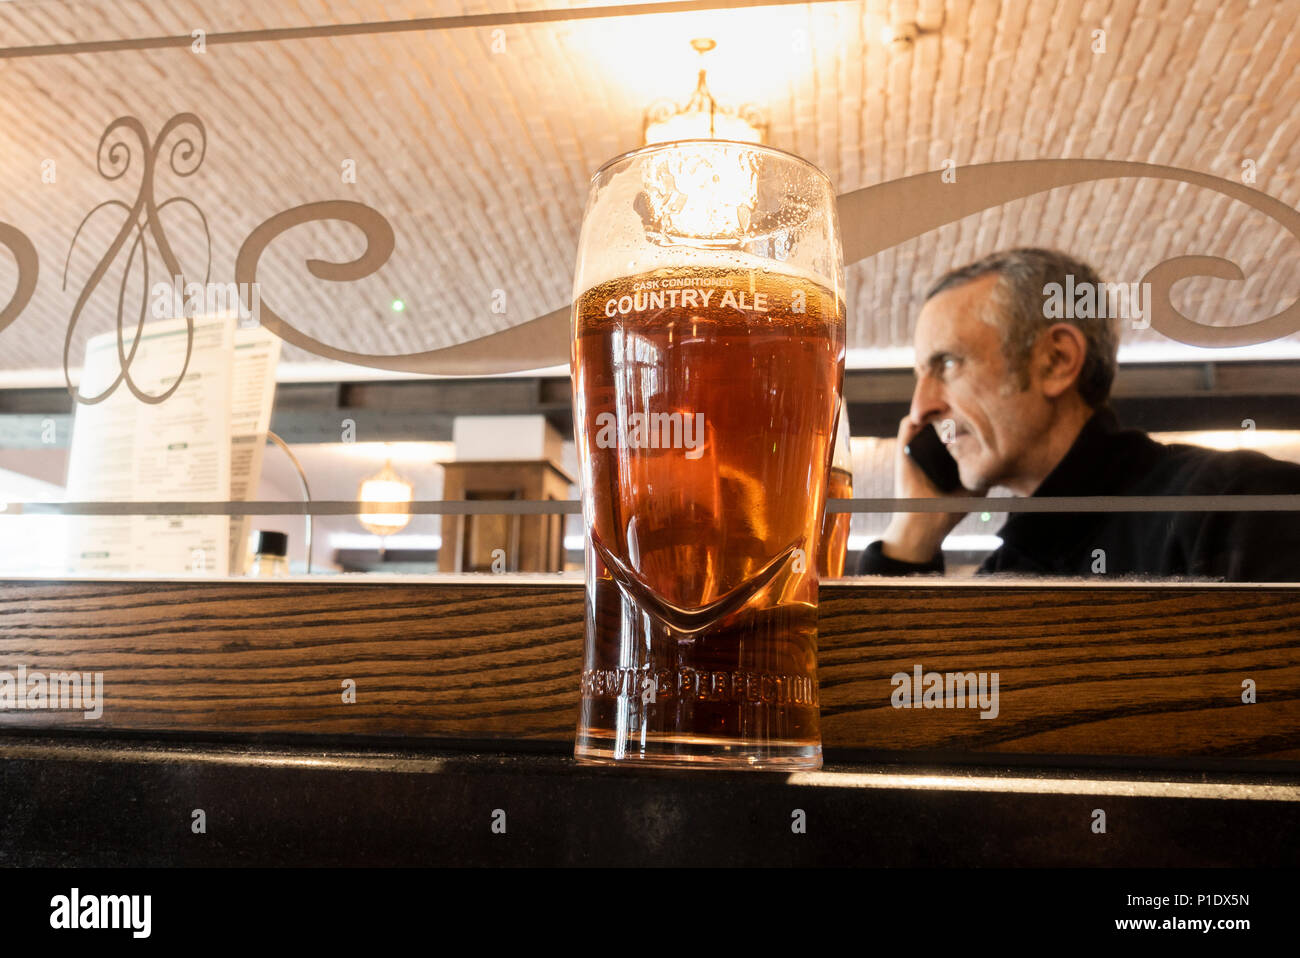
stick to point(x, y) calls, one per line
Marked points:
point(928, 451)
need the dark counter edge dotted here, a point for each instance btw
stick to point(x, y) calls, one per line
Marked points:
point(94, 802)
point(351, 747)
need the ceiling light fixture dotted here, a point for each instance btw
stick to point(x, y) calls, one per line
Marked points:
point(385, 487)
point(701, 117)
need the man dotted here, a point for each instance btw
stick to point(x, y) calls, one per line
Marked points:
point(1024, 401)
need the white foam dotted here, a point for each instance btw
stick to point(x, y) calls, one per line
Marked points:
point(686, 258)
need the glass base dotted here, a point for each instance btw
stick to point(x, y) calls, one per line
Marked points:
point(696, 752)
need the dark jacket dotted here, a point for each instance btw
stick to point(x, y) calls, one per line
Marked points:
point(1106, 460)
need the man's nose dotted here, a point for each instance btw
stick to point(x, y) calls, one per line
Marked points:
point(928, 400)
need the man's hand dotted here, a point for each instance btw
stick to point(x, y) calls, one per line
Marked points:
point(916, 536)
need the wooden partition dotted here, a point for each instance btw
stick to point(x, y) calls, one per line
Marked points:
point(1153, 671)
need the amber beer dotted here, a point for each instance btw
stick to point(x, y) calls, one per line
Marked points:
point(705, 403)
point(834, 544)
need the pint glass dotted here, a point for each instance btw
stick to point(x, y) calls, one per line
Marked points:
point(834, 545)
point(708, 361)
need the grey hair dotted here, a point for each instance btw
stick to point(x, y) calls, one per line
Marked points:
point(1015, 308)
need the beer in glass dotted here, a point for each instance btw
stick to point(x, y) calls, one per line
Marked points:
point(834, 544)
point(708, 362)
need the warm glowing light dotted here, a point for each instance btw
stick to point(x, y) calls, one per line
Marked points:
point(386, 487)
point(702, 117)
point(761, 52)
point(1233, 439)
point(699, 125)
point(701, 192)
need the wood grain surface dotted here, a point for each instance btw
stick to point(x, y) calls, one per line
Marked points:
point(1086, 671)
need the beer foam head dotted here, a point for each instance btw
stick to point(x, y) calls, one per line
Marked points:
point(684, 260)
point(709, 205)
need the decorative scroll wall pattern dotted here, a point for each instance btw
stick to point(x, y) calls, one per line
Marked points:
point(185, 158)
point(480, 158)
point(24, 254)
point(872, 220)
point(879, 217)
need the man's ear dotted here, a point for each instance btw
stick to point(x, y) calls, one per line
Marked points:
point(1059, 356)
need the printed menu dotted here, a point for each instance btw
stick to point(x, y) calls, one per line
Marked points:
point(203, 444)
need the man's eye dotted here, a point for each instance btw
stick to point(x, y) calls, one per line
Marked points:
point(948, 364)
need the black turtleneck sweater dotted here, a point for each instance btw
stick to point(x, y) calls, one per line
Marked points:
point(1106, 460)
